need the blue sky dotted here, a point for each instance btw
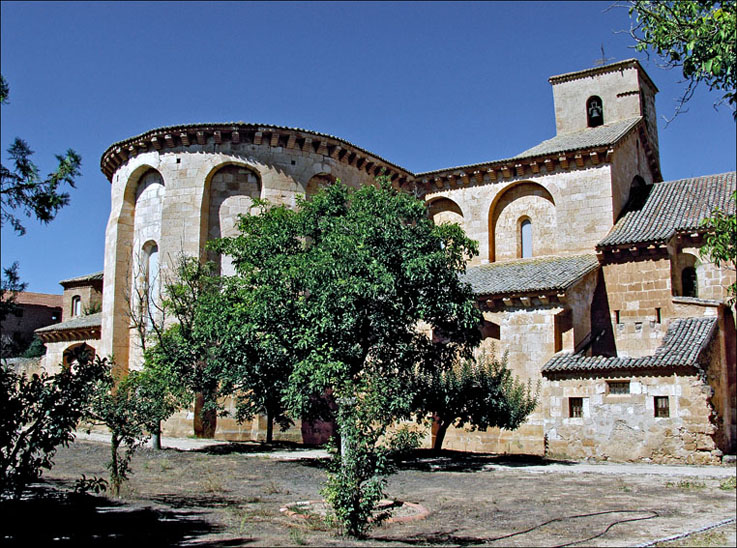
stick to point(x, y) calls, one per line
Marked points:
point(424, 85)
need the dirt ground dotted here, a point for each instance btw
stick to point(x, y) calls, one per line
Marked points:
point(230, 495)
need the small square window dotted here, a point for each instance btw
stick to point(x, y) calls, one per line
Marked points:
point(662, 406)
point(575, 407)
point(618, 387)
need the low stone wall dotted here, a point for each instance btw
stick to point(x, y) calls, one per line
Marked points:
point(624, 427)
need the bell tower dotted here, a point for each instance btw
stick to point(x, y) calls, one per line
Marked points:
point(604, 95)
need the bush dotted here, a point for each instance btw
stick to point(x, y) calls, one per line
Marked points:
point(36, 349)
point(37, 414)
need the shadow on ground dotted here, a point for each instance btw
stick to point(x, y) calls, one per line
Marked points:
point(47, 515)
point(246, 447)
point(428, 460)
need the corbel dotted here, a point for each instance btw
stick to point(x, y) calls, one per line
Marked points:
point(307, 145)
point(579, 159)
point(563, 161)
point(218, 137)
point(506, 172)
point(526, 301)
point(490, 303)
point(519, 169)
point(201, 138)
point(549, 165)
point(492, 174)
point(291, 140)
point(322, 150)
point(479, 176)
point(235, 137)
point(535, 167)
point(169, 140)
point(609, 154)
point(594, 158)
point(132, 151)
point(451, 181)
point(335, 152)
point(439, 182)
point(367, 166)
point(274, 142)
point(562, 297)
point(507, 301)
point(185, 138)
point(156, 143)
point(544, 299)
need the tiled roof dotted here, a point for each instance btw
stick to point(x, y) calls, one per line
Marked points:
point(527, 275)
point(600, 136)
point(683, 345)
point(38, 299)
point(87, 278)
point(79, 322)
point(673, 206)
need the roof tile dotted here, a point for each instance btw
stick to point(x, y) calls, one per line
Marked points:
point(673, 206)
point(526, 275)
point(683, 345)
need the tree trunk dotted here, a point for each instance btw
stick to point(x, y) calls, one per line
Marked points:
point(156, 437)
point(115, 480)
point(440, 435)
point(205, 422)
point(269, 426)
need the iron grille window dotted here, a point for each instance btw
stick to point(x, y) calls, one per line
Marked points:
point(619, 387)
point(575, 407)
point(662, 407)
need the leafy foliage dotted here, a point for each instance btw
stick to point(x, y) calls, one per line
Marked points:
point(10, 286)
point(22, 188)
point(720, 243)
point(357, 474)
point(184, 359)
point(36, 349)
point(481, 394)
point(336, 290)
point(37, 414)
point(118, 404)
point(698, 36)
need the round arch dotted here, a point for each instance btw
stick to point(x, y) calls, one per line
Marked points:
point(73, 352)
point(229, 190)
point(317, 182)
point(522, 200)
point(442, 209)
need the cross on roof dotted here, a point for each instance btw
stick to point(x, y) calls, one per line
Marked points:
point(604, 59)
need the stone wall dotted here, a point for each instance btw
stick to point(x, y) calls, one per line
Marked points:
point(90, 297)
point(624, 427)
point(570, 210)
point(183, 210)
point(619, 91)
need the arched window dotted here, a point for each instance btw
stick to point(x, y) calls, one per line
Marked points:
point(525, 229)
point(594, 111)
point(76, 306)
point(151, 281)
point(689, 282)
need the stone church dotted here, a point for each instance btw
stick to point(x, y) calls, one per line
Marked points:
point(589, 274)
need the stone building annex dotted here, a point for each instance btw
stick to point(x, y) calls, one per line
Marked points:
point(589, 272)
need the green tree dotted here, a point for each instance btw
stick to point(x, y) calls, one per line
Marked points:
point(365, 270)
point(38, 414)
point(22, 188)
point(118, 404)
point(258, 314)
point(10, 286)
point(481, 393)
point(699, 37)
point(720, 242)
point(185, 357)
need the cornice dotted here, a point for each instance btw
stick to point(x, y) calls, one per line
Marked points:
point(176, 137)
